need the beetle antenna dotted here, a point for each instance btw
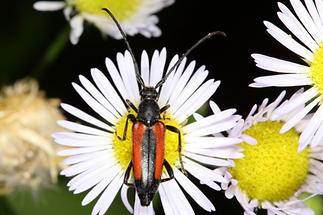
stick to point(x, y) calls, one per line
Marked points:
point(209, 35)
point(124, 37)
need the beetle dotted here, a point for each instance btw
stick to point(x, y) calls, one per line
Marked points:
point(148, 131)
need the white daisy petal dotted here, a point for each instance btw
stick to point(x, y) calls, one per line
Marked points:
point(83, 157)
point(157, 67)
point(76, 28)
point(167, 87)
point(175, 194)
point(306, 19)
point(108, 195)
point(81, 128)
point(85, 117)
point(108, 91)
point(124, 198)
point(288, 42)
point(312, 127)
point(199, 97)
point(202, 173)
point(294, 103)
point(278, 65)
point(183, 81)
point(297, 117)
point(49, 5)
point(314, 15)
point(301, 35)
point(210, 142)
point(193, 191)
point(208, 160)
point(284, 80)
point(194, 83)
point(144, 67)
point(96, 106)
point(97, 95)
point(115, 75)
point(83, 150)
point(209, 120)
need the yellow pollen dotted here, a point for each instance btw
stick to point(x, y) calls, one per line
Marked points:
point(271, 170)
point(121, 9)
point(316, 71)
point(123, 148)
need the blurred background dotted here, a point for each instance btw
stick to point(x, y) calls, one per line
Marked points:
point(36, 44)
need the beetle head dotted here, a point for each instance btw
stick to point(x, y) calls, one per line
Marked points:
point(149, 93)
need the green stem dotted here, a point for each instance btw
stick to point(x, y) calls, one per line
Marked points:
point(51, 53)
point(5, 207)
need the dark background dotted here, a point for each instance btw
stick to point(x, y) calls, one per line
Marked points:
point(27, 34)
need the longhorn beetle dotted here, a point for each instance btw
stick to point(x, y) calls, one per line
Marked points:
point(148, 132)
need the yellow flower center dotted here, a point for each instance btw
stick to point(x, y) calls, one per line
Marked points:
point(273, 169)
point(121, 9)
point(123, 148)
point(316, 71)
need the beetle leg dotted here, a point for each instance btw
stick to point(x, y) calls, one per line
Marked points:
point(133, 119)
point(127, 175)
point(169, 171)
point(176, 130)
point(163, 109)
point(133, 107)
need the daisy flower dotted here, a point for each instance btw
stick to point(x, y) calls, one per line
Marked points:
point(98, 159)
point(27, 151)
point(273, 173)
point(135, 16)
point(307, 27)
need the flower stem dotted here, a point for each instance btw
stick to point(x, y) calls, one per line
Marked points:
point(51, 53)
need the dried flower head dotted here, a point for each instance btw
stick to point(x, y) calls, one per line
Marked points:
point(27, 152)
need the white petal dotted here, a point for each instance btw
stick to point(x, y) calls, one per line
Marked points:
point(157, 67)
point(81, 128)
point(294, 103)
point(83, 150)
point(212, 119)
point(79, 143)
point(76, 28)
point(49, 5)
point(93, 179)
point(124, 198)
point(208, 160)
point(86, 117)
point(99, 188)
point(193, 191)
point(95, 93)
point(278, 65)
point(115, 75)
point(298, 116)
point(306, 19)
point(194, 83)
point(199, 97)
point(83, 157)
point(284, 80)
point(312, 127)
point(178, 203)
point(210, 142)
point(96, 106)
point(183, 81)
point(288, 42)
point(108, 195)
point(108, 91)
point(202, 173)
point(144, 67)
point(166, 89)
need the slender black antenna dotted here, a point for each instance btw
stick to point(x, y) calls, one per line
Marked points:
point(124, 36)
point(209, 35)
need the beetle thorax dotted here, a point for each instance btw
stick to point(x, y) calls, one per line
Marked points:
point(148, 110)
